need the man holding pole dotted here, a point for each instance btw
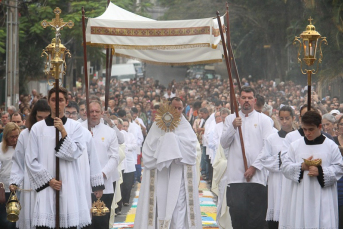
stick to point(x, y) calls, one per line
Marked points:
point(40, 161)
point(246, 191)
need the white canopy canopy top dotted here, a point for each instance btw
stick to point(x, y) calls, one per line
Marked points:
point(169, 42)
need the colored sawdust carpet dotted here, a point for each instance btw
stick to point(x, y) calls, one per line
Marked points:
point(207, 206)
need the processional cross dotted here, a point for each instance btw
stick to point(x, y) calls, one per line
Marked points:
point(56, 57)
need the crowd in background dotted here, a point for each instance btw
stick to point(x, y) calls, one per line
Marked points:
point(146, 94)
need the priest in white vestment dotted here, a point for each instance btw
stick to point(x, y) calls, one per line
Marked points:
point(168, 196)
point(312, 200)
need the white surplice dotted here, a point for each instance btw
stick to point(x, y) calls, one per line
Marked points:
point(40, 160)
point(90, 167)
point(311, 204)
point(20, 177)
point(219, 185)
point(214, 139)
point(255, 128)
point(271, 161)
point(106, 142)
point(168, 196)
point(130, 153)
point(117, 195)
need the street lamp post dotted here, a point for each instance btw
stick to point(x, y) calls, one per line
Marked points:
point(309, 41)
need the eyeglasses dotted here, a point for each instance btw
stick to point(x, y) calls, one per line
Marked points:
point(179, 108)
point(71, 114)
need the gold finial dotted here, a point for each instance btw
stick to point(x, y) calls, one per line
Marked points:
point(57, 23)
point(310, 19)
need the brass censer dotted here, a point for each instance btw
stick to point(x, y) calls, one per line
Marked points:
point(13, 208)
point(99, 208)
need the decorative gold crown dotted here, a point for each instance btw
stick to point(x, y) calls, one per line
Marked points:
point(167, 117)
point(315, 162)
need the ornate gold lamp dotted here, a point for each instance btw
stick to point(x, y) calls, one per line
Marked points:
point(55, 66)
point(309, 41)
point(13, 208)
point(56, 52)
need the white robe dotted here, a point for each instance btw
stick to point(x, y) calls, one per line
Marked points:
point(255, 128)
point(271, 149)
point(40, 160)
point(219, 186)
point(309, 204)
point(130, 153)
point(90, 167)
point(20, 177)
point(105, 140)
point(117, 195)
point(169, 193)
point(214, 139)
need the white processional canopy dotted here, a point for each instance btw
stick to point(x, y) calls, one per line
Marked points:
point(176, 42)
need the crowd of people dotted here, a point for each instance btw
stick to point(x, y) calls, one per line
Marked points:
point(107, 160)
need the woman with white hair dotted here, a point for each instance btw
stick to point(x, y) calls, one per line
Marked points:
point(7, 149)
point(328, 123)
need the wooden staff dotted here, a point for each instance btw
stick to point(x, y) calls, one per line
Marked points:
point(57, 86)
point(85, 67)
point(109, 58)
point(231, 56)
point(228, 66)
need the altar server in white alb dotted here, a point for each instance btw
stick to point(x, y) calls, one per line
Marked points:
point(271, 160)
point(89, 163)
point(168, 196)
point(19, 175)
point(219, 183)
point(129, 168)
point(246, 191)
point(41, 164)
point(105, 140)
point(312, 200)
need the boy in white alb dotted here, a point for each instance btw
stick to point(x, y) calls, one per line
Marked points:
point(313, 196)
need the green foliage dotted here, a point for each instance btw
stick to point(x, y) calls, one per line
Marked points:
point(262, 32)
point(34, 38)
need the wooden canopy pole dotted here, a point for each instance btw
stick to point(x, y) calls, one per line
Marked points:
point(85, 67)
point(228, 66)
point(231, 56)
point(109, 58)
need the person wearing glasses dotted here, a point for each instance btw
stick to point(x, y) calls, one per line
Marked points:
point(89, 163)
point(7, 150)
point(168, 195)
point(107, 148)
point(19, 173)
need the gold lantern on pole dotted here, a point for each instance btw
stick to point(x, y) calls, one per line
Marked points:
point(308, 41)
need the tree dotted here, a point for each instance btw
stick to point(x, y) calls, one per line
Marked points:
point(262, 33)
